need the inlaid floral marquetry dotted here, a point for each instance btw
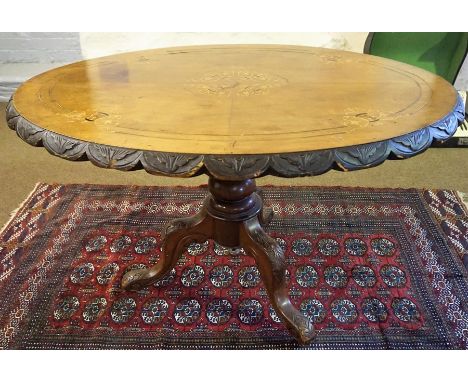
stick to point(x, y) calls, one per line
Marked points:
point(239, 82)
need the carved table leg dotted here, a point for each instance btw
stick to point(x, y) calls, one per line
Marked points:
point(179, 234)
point(272, 265)
point(267, 214)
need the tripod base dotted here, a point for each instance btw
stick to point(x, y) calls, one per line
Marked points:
point(233, 216)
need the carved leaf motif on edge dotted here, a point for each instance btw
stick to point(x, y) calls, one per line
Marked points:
point(312, 163)
point(445, 128)
point(63, 147)
point(111, 157)
point(362, 155)
point(11, 116)
point(240, 166)
point(29, 132)
point(171, 163)
point(237, 164)
point(412, 143)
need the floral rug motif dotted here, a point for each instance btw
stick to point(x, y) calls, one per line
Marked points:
point(372, 268)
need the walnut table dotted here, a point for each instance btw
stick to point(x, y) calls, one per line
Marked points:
point(235, 112)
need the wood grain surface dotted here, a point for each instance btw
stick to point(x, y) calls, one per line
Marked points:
point(235, 99)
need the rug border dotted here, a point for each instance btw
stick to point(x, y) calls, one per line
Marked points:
point(462, 196)
point(22, 206)
point(205, 185)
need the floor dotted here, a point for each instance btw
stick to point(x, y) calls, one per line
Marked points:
point(23, 166)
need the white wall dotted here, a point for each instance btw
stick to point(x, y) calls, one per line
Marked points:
point(101, 44)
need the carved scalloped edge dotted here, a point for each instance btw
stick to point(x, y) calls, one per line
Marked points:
point(237, 167)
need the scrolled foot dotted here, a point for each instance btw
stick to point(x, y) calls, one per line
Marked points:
point(298, 325)
point(272, 265)
point(302, 327)
point(178, 235)
point(136, 279)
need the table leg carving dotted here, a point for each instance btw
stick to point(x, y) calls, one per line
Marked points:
point(266, 216)
point(178, 234)
point(272, 266)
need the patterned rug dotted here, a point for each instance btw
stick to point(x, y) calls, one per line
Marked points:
point(373, 268)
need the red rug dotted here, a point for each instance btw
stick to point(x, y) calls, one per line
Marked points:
point(373, 268)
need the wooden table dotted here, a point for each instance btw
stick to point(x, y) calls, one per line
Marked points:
point(235, 112)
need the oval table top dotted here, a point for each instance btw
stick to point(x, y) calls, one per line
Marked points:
point(241, 107)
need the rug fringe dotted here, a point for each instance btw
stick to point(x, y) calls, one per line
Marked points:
point(16, 210)
point(463, 198)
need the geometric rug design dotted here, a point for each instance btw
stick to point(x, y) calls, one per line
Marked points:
point(372, 268)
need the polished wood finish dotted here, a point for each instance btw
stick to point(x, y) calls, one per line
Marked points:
point(235, 99)
point(233, 216)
